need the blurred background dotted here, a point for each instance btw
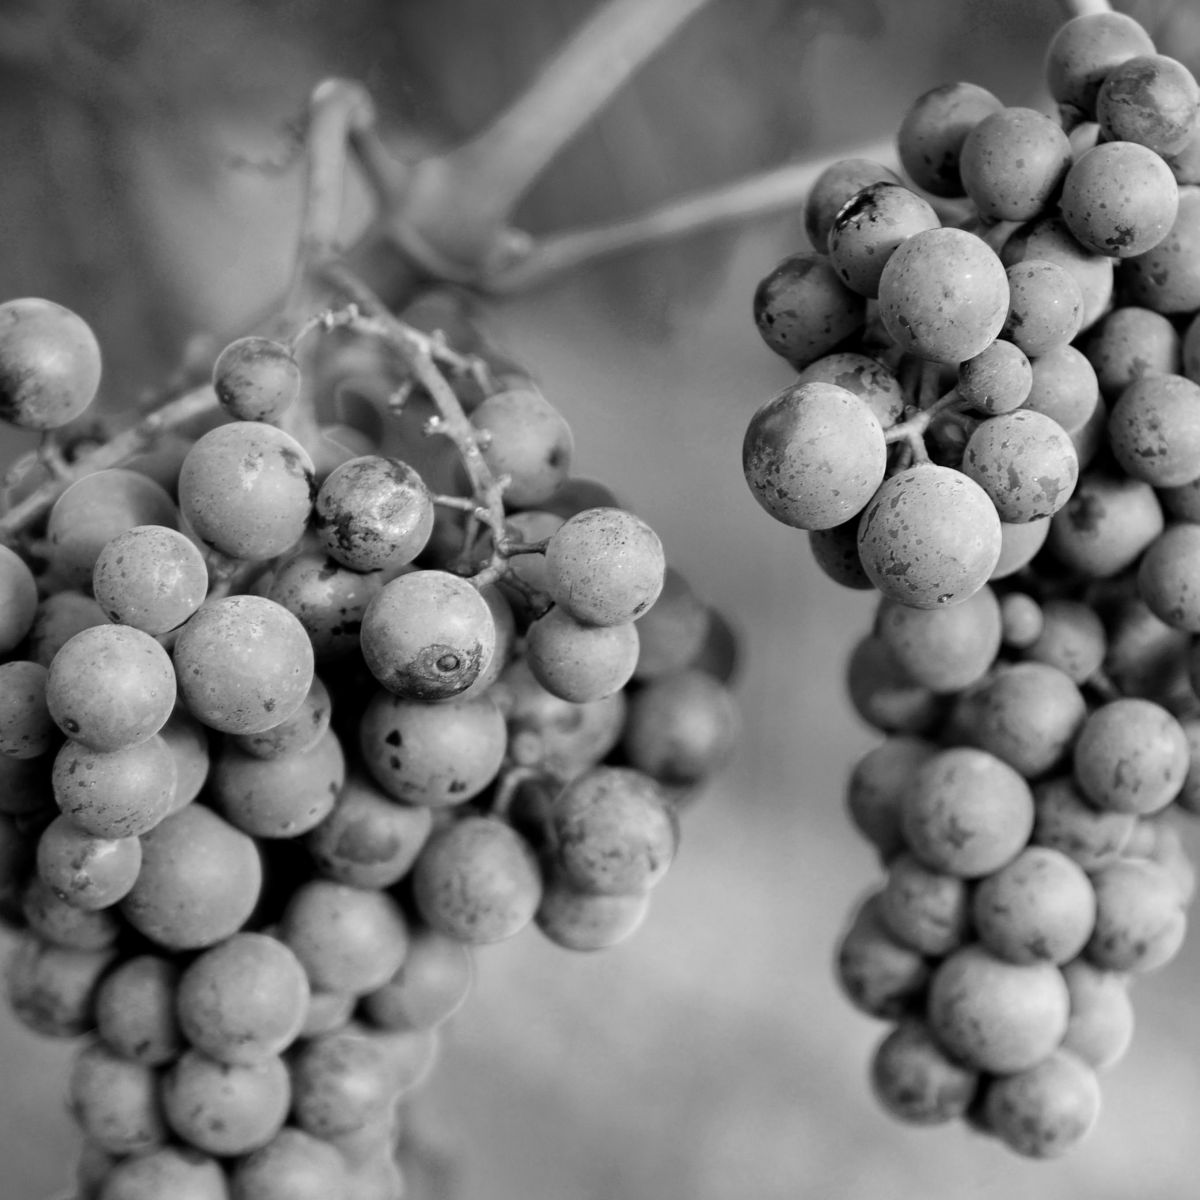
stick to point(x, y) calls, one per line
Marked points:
point(145, 184)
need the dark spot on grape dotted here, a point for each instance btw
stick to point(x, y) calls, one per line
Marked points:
point(269, 705)
point(70, 725)
point(394, 738)
point(394, 762)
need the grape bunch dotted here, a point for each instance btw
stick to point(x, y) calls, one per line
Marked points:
point(298, 707)
point(995, 426)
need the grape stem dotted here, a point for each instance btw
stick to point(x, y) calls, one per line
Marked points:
point(1083, 8)
point(176, 413)
point(912, 430)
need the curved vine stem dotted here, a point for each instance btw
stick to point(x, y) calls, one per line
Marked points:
point(764, 194)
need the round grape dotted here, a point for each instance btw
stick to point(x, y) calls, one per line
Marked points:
point(931, 135)
point(115, 1101)
point(1105, 526)
point(247, 489)
point(428, 635)
point(878, 975)
point(524, 437)
point(1120, 199)
point(923, 908)
point(1129, 344)
point(256, 379)
point(177, 1171)
point(1045, 306)
point(916, 1081)
point(832, 188)
point(997, 380)
point(584, 921)
point(929, 537)
point(1044, 1110)
point(429, 988)
point(1025, 462)
point(88, 872)
point(150, 577)
point(18, 599)
point(1166, 278)
point(1085, 49)
point(373, 513)
point(803, 310)
point(1013, 162)
point(117, 793)
point(244, 664)
point(293, 1165)
point(943, 295)
point(863, 375)
point(135, 1010)
point(1154, 430)
point(1140, 920)
point(49, 364)
point(814, 455)
point(870, 226)
point(27, 729)
point(581, 663)
point(1101, 1026)
point(1150, 99)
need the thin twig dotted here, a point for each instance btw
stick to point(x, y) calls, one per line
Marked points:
point(769, 193)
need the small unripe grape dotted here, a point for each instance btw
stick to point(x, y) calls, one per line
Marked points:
point(943, 295)
point(150, 577)
point(1021, 621)
point(966, 812)
point(916, 1081)
point(437, 755)
point(878, 975)
point(997, 380)
point(526, 438)
point(1085, 50)
point(1025, 462)
point(803, 310)
point(110, 687)
point(244, 664)
point(428, 635)
point(994, 1015)
point(832, 188)
point(863, 375)
point(348, 939)
point(95, 509)
point(115, 794)
point(1044, 1110)
point(225, 1109)
point(814, 455)
point(135, 1010)
point(18, 599)
point(256, 378)
point(605, 566)
point(200, 880)
point(247, 489)
point(477, 880)
point(868, 229)
point(373, 513)
point(1120, 199)
point(87, 871)
point(1013, 162)
point(1149, 99)
point(244, 1000)
point(49, 364)
point(1154, 430)
point(1140, 918)
point(929, 537)
point(932, 133)
point(1131, 756)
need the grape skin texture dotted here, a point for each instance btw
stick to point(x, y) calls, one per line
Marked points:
point(49, 364)
point(1043, 1111)
point(1150, 99)
point(929, 537)
point(18, 599)
point(916, 1081)
point(943, 295)
point(833, 187)
point(1045, 307)
point(803, 310)
point(1013, 162)
point(247, 489)
point(1154, 430)
point(256, 379)
point(868, 229)
point(814, 455)
point(150, 577)
point(932, 133)
point(1085, 50)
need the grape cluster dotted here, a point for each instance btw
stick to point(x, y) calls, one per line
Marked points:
point(286, 732)
point(995, 425)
